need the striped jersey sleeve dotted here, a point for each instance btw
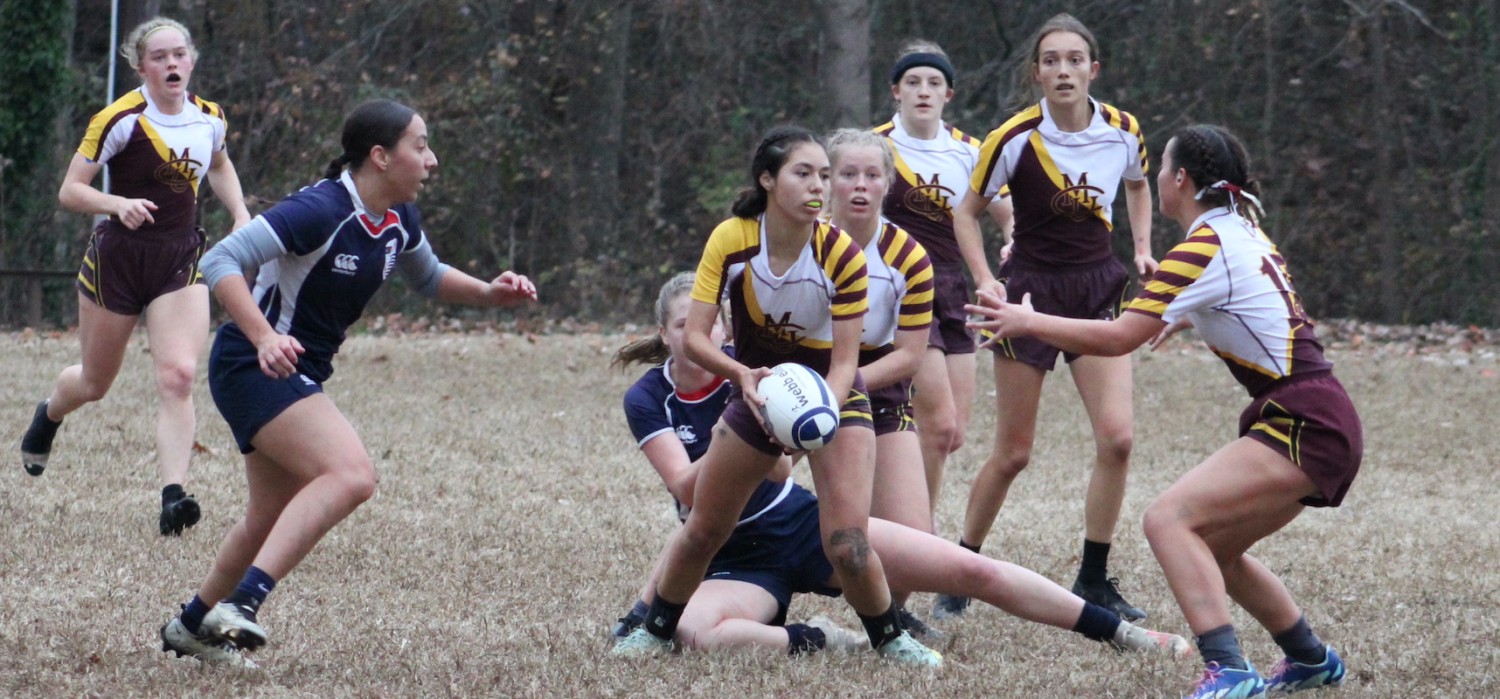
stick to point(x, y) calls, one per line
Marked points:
point(733, 241)
point(1127, 122)
point(905, 255)
point(103, 124)
point(844, 264)
point(217, 112)
point(1172, 291)
point(993, 174)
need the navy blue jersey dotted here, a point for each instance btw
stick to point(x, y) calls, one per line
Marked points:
point(654, 408)
point(328, 258)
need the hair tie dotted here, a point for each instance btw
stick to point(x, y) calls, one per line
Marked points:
point(1234, 191)
point(930, 60)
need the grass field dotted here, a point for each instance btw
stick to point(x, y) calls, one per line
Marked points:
point(515, 517)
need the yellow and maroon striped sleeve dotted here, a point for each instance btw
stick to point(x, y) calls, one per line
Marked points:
point(904, 254)
point(994, 143)
point(1182, 266)
point(844, 263)
point(727, 245)
point(1125, 121)
point(99, 126)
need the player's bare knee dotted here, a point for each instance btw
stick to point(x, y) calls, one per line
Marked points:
point(1010, 462)
point(1113, 448)
point(849, 552)
point(701, 540)
point(175, 381)
point(91, 389)
point(1161, 521)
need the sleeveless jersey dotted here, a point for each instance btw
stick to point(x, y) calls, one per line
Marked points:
point(653, 408)
point(1229, 279)
point(159, 157)
point(1062, 184)
point(786, 318)
point(335, 257)
point(932, 179)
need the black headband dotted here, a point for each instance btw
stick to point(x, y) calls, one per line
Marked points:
point(931, 60)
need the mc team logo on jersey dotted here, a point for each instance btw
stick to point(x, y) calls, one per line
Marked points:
point(781, 336)
point(1078, 201)
point(179, 171)
point(929, 199)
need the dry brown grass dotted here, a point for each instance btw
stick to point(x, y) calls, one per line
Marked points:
point(515, 517)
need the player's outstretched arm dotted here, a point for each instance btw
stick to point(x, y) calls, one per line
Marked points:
point(508, 289)
point(1105, 338)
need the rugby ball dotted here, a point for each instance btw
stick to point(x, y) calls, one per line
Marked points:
point(799, 409)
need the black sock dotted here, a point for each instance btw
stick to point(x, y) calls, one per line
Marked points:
point(1095, 566)
point(969, 546)
point(802, 639)
point(662, 617)
point(1300, 643)
point(882, 628)
point(171, 494)
point(1096, 622)
point(1223, 647)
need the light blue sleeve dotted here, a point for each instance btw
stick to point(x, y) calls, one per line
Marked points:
point(247, 248)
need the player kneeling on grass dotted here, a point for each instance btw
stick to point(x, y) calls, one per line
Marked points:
point(1300, 438)
point(322, 254)
point(775, 549)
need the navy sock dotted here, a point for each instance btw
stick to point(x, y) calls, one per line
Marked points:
point(1095, 566)
point(1223, 647)
point(803, 639)
point(882, 628)
point(1096, 622)
point(253, 589)
point(969, 546)
point(1300, 643)
point(662, 617)
point(171, 494)
point(192, 614)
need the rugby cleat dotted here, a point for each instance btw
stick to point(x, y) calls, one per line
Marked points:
point(1106, 593)
point(178, 515)
point(1291, 676)
point(907, 650)
point(641, 643)
point(36, 446)
point(837, 637)
point(918, 628)
point(1220, 682)
point(176, 639)
point(235, 624)
point(948, 607)
point(1129, 637)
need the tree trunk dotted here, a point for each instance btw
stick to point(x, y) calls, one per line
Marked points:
point(844, 70)
point(132, 13)
point(1386, 233)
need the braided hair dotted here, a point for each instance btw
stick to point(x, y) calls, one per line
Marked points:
point(769, 156)
point(1218, 163)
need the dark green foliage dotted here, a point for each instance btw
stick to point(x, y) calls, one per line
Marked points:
point(594, 143)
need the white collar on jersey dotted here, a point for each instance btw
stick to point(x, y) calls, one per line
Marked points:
point(899, 131)
point(1051, 132)
point(190, 113)
point(347, 179)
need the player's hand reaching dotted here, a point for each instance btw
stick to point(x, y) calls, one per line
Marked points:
point(1160, 338)
point(510, 289)
point(278, 355)
point(999, 317)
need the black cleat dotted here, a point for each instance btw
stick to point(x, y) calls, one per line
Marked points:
point(178, 515)
point(36, 446)
point(949, 607)
point(1106, 593)
point(918, 628)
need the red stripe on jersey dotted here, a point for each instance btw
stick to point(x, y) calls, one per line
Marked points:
point(375, 229)
point(700, 394)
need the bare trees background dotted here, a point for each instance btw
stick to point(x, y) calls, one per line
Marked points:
point(593, 143)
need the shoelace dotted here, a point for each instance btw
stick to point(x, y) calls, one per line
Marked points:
point(1211, 674)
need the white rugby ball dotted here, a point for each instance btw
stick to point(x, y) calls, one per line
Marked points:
point(800, 410)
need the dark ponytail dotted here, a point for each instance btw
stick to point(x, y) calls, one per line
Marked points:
point(1219, 165)
point(374, 123)
point(769, 156)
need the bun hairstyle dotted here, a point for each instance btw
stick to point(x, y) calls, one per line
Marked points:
point(134, 48)
point(653, 350)
point(1025, 92)
point(921, 52)
point(374, 123)
point(769, 156)
point(1219, 165)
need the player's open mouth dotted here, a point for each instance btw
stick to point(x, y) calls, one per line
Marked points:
point(859, 201)
point(173, 78)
